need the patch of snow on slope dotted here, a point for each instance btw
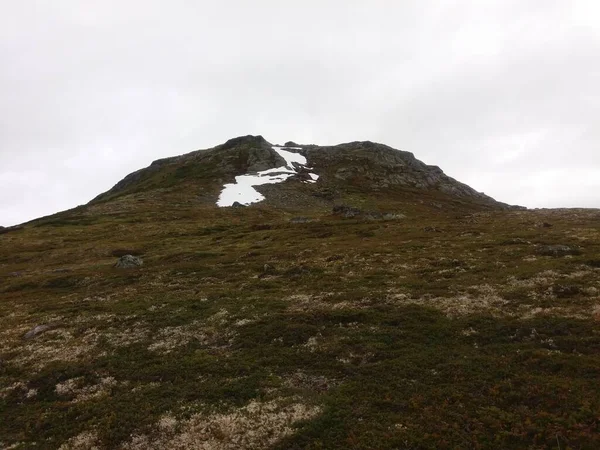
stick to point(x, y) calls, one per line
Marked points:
point(291, 157)
point(242, 191)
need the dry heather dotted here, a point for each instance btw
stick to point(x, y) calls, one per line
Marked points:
point(245, 330)
point(257, 425)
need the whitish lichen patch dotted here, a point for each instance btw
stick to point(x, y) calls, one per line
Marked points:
point(257, 425)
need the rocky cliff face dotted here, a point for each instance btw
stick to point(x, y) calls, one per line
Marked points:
point(379, 166)
point(364, 166)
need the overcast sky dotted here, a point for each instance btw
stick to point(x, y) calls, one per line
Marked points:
point(502, 95)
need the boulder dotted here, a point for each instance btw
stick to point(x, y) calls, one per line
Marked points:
point(38, 329)
point(558, 250)
point(346, 211)
point(393, 216)
point(129, 262)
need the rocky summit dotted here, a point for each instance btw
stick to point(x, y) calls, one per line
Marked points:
point(261, 295)
point(314, 176)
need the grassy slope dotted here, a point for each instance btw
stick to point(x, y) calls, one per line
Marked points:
point(331, 334)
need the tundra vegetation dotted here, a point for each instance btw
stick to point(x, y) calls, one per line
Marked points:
point(431, 323)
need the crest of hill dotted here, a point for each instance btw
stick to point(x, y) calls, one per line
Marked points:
point(352, 169)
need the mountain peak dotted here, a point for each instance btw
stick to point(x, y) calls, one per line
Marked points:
point(248, 140)
point(315, 176)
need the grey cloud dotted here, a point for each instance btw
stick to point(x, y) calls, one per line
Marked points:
point(502, 95)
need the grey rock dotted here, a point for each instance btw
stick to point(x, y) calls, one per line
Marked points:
point(558, 250)
point(128, 262)
point(267, 270)
point(38, 329)
point(393, 216)
point(237, 205)
point(346, 211)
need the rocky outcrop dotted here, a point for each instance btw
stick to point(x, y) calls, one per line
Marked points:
point(245, 154)
point(366, 166)
point(350, 212)
point(129, 262)
point(558, 250)
point(379, 167)
point(39, 329)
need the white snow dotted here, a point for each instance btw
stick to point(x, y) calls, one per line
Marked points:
point(291, 157)
point(242, 191)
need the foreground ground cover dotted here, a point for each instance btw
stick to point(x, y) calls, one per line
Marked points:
point(244, 329)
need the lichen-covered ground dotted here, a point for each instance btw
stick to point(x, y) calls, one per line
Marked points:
point(245, 331)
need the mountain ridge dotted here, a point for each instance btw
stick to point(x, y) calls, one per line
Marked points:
point(359, 165)
point(153, 319)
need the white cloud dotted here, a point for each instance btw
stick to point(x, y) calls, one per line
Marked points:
point(504, 88)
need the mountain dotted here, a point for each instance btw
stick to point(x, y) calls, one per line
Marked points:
point(362, 300)
point(356, 169)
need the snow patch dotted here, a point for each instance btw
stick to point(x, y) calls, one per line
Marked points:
point(243, 192)
point(290, 157)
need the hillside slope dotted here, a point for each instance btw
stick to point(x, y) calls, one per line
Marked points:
point(356, 169)
point(425, 320)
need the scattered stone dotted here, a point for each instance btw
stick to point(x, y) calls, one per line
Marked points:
point(303, 175)
point(128, 262)
point(393, 216)
point(558, 250)
point(268, 269)
point(346, 211)
point(38, 329)
point(349, 212)
point(325, 194)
